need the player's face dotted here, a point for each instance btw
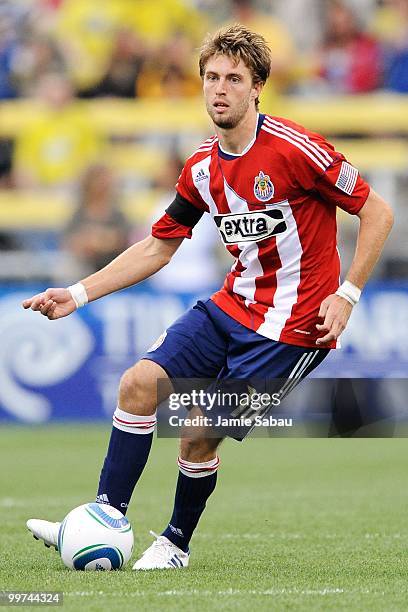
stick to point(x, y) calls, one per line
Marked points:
point(228, 91)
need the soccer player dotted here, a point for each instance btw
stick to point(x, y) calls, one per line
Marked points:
point(272, 188)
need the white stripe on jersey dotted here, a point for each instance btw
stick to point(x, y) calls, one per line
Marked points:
point(203, 187)
point(201, 150)
point(208, 142)
point(300, 146)
point(245, 283)
point(287, 278)
point(298, 135)
point(207, 145)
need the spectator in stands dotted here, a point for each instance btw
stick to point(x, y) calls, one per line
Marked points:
point(6, 156)
point(170, 73)
point(98, 231)
point(7, 50)
point(87, 30)
point(28, 47)
point(120, 79)
point(36, 56)
point(349, 61)
point(59, 142)
point(391, 23)
point(279, 39)
point(158, 21)
point(8, 241)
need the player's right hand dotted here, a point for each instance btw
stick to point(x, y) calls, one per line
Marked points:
point(52, 303)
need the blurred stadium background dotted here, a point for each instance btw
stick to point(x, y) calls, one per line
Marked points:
point(100, 103)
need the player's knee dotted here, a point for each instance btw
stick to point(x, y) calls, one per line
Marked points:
point(138, 390)
point(198, 450)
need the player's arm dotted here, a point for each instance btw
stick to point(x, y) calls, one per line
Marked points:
point(376, 220)
point(137, 263)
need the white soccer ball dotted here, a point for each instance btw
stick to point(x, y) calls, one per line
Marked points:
point(95, 537)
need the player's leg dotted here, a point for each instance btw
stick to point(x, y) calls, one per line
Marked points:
point(263, 364)
point(134, 421)
point(267, 366)
point(191, 348)
point(131, 438)
point(198, 463)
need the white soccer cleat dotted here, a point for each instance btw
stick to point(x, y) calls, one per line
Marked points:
point(162, 554)
point(45, 531)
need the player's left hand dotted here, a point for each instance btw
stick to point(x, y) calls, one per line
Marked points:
point(335, 311)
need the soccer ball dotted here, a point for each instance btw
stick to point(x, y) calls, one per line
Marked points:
point(95, 537)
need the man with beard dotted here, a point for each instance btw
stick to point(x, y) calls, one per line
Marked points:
point(272, 188)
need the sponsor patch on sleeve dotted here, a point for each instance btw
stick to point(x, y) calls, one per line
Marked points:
point(346, 181)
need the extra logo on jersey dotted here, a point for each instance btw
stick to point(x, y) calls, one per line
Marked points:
point(250, 226)
point(263, 187)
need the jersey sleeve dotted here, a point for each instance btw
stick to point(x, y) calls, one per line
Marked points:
point(183, 213)
point(318, 166)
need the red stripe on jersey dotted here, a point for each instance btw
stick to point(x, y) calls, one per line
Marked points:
point(217, 186)
point(167, 227)
point(316, 281)
point(235, 272)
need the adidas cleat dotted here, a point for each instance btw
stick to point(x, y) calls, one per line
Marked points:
point(45, 531)
point(162, 554)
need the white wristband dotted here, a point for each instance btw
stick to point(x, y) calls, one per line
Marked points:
point(349, 292)
point(78, 294)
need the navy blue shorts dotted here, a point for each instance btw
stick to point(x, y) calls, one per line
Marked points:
point(207, 343)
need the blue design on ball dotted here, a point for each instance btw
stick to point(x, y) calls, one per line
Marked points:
point(61, 535)
point(108, 520)
point(107, 552)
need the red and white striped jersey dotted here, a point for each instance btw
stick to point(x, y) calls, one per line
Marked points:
point(275, 208)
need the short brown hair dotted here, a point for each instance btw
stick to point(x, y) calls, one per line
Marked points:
point(239, 43)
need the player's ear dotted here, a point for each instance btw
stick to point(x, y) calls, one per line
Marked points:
point(256, 90)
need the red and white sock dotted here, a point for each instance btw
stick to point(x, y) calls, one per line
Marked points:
point(195, 483)
point(198, 470)
point(133, 423)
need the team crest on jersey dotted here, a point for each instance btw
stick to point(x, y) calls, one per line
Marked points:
point(263, 187)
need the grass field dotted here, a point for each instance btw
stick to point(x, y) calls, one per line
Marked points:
point(295, 524)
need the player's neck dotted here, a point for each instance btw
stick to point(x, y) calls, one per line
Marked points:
point(236, 140)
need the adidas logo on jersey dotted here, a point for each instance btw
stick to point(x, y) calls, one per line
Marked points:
point(200, 176)
point(250, 226)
